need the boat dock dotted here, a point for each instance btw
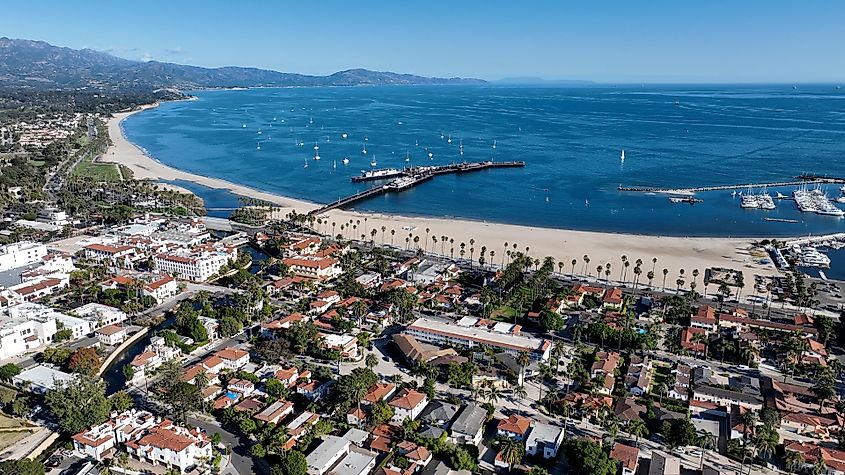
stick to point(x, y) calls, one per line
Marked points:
point(409, 178)
point(464, 167)
point(800, 180)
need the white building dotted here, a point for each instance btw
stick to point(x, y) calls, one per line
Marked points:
point(544, 439)
point(111, 335)
point(197, 265)
point(100, 315)
point(408, 404)
point(339, 456)
point(474, 335)
point(42, 378)
point(468, 427)
point(21, 254)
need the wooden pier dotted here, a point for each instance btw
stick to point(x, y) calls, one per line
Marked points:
point(463, 167)
point(801, 180)
point(410, 178)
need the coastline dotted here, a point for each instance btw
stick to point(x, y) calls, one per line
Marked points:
point(673, 253)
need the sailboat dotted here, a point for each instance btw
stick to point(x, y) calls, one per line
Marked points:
point(310, 120)
point(622, 157)
point(306, 163)
point(430, 156)
point(373, 163)
point(407, 157)
point(364, 150)
point(334, 164)
point(343, 135)
point(494, 144)
point(345, 160)
point(258, 146)
point(316, 151)
point(260, 132)
point(449, 140)
point(462, 148)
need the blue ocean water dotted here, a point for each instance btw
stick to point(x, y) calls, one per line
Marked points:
point(570, 138)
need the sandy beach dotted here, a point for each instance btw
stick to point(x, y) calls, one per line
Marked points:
point(673, 253)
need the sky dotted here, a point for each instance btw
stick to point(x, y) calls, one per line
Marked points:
point(605, 41)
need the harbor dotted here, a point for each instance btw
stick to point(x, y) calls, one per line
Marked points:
point(406, 178)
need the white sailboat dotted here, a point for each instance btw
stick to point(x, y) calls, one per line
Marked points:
point(343, 135)
point(494, 144)
point(373, 163)
point(345, 161)
point(430, 156)
point(364, 150)
point(449, 140)
point(622, 157)
point(407, 157)
point(316, 151)
point(258, 146)
point(462, 148)
point(334, 164)
point(306, 163)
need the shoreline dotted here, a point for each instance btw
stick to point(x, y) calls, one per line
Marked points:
point(673, 253)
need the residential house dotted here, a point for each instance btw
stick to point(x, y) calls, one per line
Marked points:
point(514, 426)
point(408, 404)
point(544, 439)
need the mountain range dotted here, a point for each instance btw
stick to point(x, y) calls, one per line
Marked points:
point(40, 65)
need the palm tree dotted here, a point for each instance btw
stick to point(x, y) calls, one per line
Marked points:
point(520, 392)
point(665, 273)
point(493, 394)
point(637, 429)
point(572, 271)
point(706, 441)
point(793, 460)
point(512, 451)
point(586, 263)
point(392, 233)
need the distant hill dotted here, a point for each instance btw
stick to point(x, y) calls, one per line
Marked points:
point(37, 64)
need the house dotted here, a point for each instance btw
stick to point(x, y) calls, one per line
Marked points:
point(472, 333)
point(725, 397)
point(544, 439)
point(314, 390)
point(171, 445)
point(198, 264)
point(269, 329)
point(379, 392)
point(612, 299)
point(320, 268)
point(289, 376)
point(233, 358)
point(356, 416)
point(639, 376)
point(468, 427)
point(339, 456)
point(416, 454)
point(111, 335)
point(705, 319)
point(689, 341)
point(628, 457)
point(627, 410)
point(664, 464)
point(242, 386)
point(514, 426)
point(346, 345)
point(605, 363)
point(408, 404)
point(439, 413)
point(834, 459)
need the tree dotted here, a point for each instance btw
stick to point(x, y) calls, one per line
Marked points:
point(128, 372)
point(587, 457)
point(679, 433)
point(512, 451)
point(382, 412)
point(294, 463)
point(84, 361)
point(121, 401)
point(638, 429)
point(371, 361)
point(276, 388)
point(551, 321)
point(462, 459)
point(538, 471)
point(793, 460)
point(183, 397)
point(78, 404)
point(9, 371)
point(21, 467)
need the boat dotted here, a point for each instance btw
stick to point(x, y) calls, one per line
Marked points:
point(407, 157)
point(842, 189)
point(373, 162)
point(334, 164)
point(622, 157)
point(316, 151)
point(841, 199)
point(762, 201)
point(244, 126)
point(364, 150)
point(306, 163)
point(685, 199)
point(781, 196)
point(258, 146)
point(381, 174)
point(310, 120)
point(449, 140)
point(780, 220)
point(494, 144)
point(462, 147)
point(430, 156)
point(809, 256)
point(260, 132)
point(343, 135)
point(345, 161)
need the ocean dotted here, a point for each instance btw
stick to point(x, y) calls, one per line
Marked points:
point(570, 138)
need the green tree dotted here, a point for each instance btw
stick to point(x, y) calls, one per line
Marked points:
point(294, 463)
point(21, 467)
point(551, 321)
point(512, 451)
point(9, 371)
point(462, 459)
point(371, 361)
point(587, 457)
point(78, 404)
point(121, 401)
point(128, 372)
point(382, 412)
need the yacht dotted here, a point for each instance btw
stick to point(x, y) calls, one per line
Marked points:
point(346, 161)
point(343, 135)
point(809, 256)
point(373, 163)
point(430, 156)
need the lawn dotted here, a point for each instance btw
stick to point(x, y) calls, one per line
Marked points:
point(504, 313)
point(6, 422)
point(97, 171)
point(7, 394)
point(8, 439)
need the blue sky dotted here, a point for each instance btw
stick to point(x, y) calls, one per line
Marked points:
point(607, 41)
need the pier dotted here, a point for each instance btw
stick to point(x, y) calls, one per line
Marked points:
point(801, 180)
point(408, 178)
point(464, 167)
